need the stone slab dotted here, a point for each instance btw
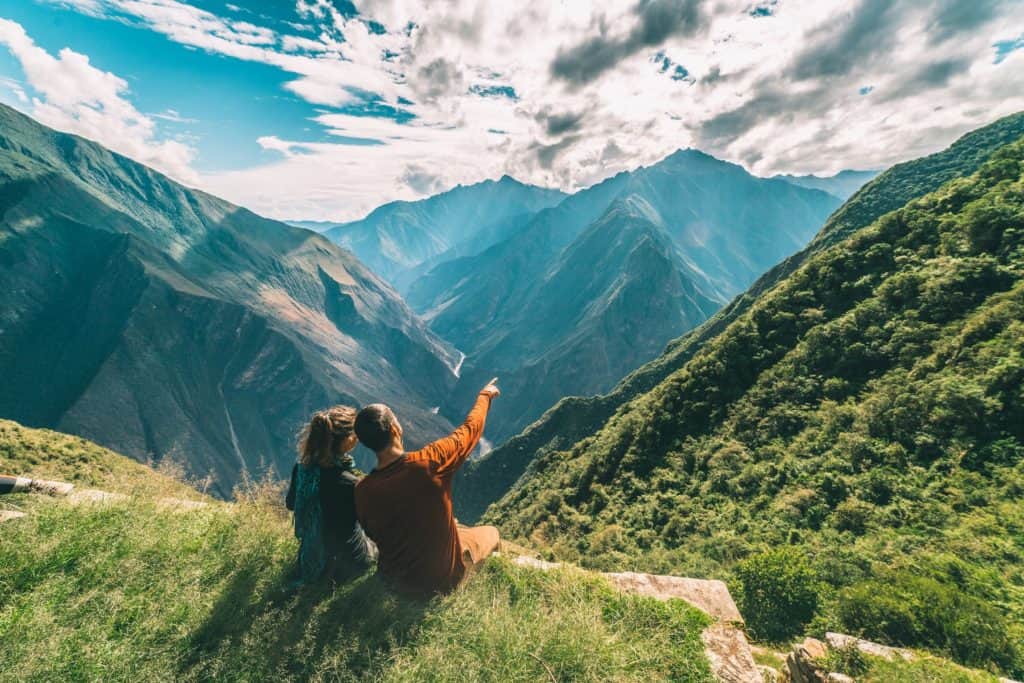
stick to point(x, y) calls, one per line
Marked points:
point(842, 641)
point(729, 654)
point(711, 597)
point(725, 644)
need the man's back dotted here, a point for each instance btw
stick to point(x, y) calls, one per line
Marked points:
point(406, 508)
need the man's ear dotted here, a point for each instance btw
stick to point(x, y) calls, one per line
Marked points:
point(396, 431)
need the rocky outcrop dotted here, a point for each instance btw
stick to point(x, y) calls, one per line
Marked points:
point(77, 496)
point(725, 643)
point(13, 484)
point(841, 641)
point(803, 663)
point(711, 597)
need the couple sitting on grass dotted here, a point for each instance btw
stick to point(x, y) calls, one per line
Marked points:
point(404, 505)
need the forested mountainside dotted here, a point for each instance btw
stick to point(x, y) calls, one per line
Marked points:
point(843, 184)
point(164, 322)
point(401, 240)
point(574, 418)
point(596, 286)
point(863, 420)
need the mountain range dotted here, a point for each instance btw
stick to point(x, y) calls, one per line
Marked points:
point(842, 184)
point(557, 295)
point(590, 289)
point(167, 323)
point(575, 418)
point(850, 430)
point(401, 240)
point(315, 226)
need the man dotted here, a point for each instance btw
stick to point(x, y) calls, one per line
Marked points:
point(405, 503)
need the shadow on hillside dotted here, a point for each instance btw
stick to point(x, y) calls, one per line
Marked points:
point(282, 632)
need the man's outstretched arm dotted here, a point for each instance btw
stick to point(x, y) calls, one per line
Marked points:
point(450, 452)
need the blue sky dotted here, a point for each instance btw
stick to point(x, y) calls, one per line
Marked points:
point(323, 109)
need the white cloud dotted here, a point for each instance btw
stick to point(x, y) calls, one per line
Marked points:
point(778, 94)
point(15, 87)
point(77, 97)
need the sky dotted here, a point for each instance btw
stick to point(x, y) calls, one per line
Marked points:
point(325, 109)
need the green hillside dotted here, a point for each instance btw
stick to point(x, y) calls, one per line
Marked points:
point(133, 591)
point(575, 418)
point(864, 418)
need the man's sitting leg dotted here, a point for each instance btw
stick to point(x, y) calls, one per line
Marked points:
point(478, 542)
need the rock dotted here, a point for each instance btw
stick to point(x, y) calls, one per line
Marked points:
point(836, 677)
point(841, 641)
point(769, 675)
point(802, 662)
point(729, 654)
point(95, 496)
point(11, 484)
point(8, 515)
point(50, 488)
point(724, 642)
point(182, 505)
point(543, 565)
point(711, 597)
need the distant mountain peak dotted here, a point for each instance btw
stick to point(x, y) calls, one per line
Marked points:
point(842, 184)
point(690, 153)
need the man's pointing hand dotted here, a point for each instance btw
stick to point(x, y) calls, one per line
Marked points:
point(492, 388)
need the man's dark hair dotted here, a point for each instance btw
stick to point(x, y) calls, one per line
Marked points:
point(373, 426)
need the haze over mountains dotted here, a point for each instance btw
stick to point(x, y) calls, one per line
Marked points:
point(214, 333)
point(165, 322)
point(399, 240)
point(842, 184)
point(577, 295)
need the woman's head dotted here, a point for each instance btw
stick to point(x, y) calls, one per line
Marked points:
point(329, 433)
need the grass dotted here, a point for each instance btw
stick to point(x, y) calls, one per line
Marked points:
point(134, 591)
point(46, 454)
point(770, 658)
point(924, 668)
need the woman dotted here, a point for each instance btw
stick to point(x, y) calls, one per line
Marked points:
point(321, 494)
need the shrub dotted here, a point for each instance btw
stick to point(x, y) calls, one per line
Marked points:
point(848, 660)
point(902, 608)
point(778, 593)
point(853, 515)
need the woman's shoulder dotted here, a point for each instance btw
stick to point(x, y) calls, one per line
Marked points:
point(343, 475)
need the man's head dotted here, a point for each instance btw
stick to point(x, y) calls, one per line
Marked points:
point(378, 428)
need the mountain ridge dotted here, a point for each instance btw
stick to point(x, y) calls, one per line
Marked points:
point(841, 184)
point(215, 332)
point(576, 417)
point(860, 424)
point(398, 236)
point(724, 227)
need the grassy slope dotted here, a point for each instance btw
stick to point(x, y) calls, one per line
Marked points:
point(867, 411)
point(46, 454)
point(133, 591)
point(575, 418)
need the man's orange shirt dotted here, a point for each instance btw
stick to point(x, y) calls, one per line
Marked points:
point(406, 508)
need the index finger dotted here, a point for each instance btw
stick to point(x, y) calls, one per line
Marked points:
point(493, 381)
